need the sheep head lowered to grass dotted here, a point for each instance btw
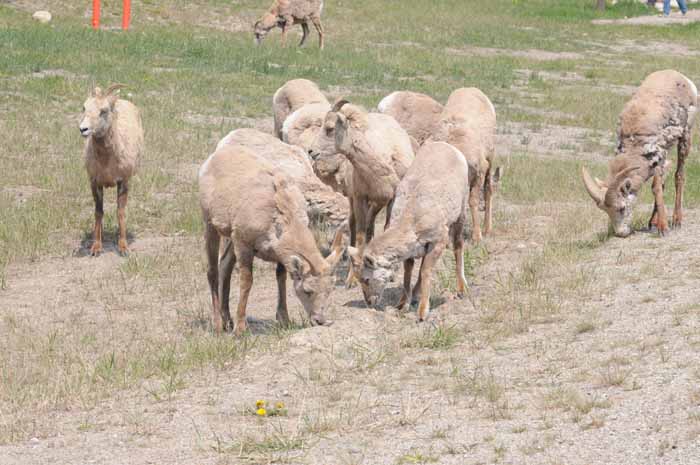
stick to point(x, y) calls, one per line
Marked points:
point(659, 115)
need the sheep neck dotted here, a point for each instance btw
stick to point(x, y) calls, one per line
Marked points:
point(399, 242)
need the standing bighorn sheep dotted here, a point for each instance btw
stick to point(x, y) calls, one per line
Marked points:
point(259, 212)
point(113, 146)
point(286, 13)
point(292, 96)
point(379, 153)
point(322, 201)
point(416, 113)
point(660, 115)
point(429, 212)
point(468, 122)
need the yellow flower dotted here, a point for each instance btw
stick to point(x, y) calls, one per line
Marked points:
point(279, 405)
point(261, 412)
point(260, 404)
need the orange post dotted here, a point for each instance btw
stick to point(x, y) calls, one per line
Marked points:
point(95, 14)
point(127, 14)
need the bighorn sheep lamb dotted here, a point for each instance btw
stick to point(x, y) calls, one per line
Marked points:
point(379, 152)
point(113, 146)
point(429, 211)
point(660, 115)
point(292, 96)
point(468, 122)
point(416, 113)
point(286, 13)
point(259, 212)
point(322, 201)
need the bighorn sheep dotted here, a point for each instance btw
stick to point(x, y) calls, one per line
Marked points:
point(294, 162)
point(259, 212)
point(379, 152)
point(416, 113)
point(429, 211)
point(468, 122)
point(292, 96)
point(285, 13)
point(113, 146)
point(660, 115)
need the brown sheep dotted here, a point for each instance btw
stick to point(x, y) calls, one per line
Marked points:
point(285, 13)
point(113, 146)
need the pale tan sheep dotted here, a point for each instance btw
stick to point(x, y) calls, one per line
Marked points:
point(286, 13)
point(468, 122)
point(659, 115)
point(259, 212)
point(113, 146)
point(322, 201)
point(430, 211)
point(379, 153)
point(292, 96)
point(417, 113)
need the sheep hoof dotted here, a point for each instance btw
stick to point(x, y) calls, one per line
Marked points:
point(96, 249)
point(676, 224)
point(123, 249)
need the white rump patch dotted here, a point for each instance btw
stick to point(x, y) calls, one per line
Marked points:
point(387, 102)
point(289, 122)
point(493, 110)
point(692, 87)
point(274, 97)
point(205, 165)
point(320, 8)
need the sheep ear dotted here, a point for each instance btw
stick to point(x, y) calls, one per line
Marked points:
point(341, 120)
point(626, 187)
point(97, 92)
point(296, 267)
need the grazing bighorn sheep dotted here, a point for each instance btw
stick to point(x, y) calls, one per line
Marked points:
point(259, 212)
point(285, 13)
point(292, 96)
point(660, 115)
point(416, 113)
point(113, 146)
point(322, 201)
point(468, 122)
point(379, 152)
point(429, 211)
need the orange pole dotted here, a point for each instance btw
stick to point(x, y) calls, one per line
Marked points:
point(95, 14)
point(127, 14)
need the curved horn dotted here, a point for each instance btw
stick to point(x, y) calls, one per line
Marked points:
point(621, 176)
point(339, 104)
point(114, 87)
point(596, 193)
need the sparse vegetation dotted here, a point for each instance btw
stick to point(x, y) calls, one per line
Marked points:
point(563, 329)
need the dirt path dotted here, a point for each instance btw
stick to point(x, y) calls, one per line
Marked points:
point(654, 20)
point(608, 378)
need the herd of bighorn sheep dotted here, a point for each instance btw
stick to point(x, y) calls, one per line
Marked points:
point(423, 163)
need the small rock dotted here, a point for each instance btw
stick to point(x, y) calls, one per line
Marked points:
point(34, 440)
point(42, 16)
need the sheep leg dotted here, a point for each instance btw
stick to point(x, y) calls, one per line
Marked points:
point(305, 33)
point(352, 225)
point(389, 208)
point(415, 296)
point(122, 197)
point(657, 188)
point(683, 150)
point(474, 193)
point(282, 314)
point(316, 20)
point(211, 241)
point(407, 273)
point(226, 263)
point(245, 278)
point(654, 217)
point(458, 246)
point(372, 215)
point(98, 196)
point(360, 207)
point(426, 270)
point(488, 202)
point(284, 34)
